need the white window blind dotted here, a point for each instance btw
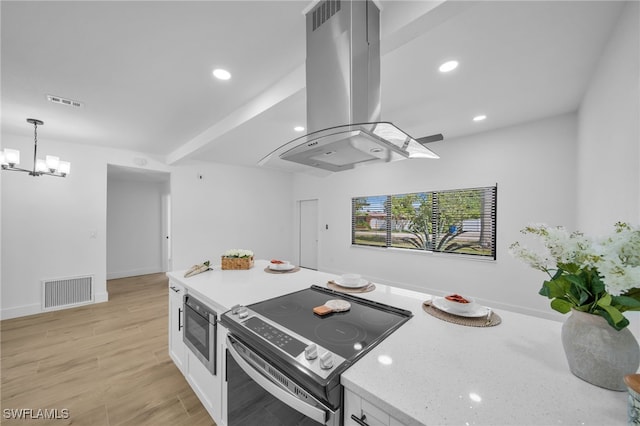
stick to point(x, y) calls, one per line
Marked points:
point(459, 221)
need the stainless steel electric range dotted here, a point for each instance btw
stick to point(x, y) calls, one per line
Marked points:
point(284, 361)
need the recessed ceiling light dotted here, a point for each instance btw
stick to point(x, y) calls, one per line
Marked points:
point(221, 74)
point(448, 66)
point(479, 117)
point(298, 128)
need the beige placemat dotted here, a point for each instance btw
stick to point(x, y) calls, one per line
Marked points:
point(273, 271)
point(471, 322)
point(366, 289)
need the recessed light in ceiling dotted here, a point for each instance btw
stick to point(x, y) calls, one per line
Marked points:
point(298, 128)
point(479, 117)
point(221, 74)
point(448, 66)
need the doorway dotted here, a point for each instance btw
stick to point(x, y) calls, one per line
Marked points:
point(308, 244)
point(138, 222)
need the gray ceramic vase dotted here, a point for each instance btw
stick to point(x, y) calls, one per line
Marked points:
point(598, 353)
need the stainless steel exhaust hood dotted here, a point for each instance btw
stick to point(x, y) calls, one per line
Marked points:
point(343, 93)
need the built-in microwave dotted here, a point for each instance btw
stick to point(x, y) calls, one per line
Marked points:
point(200, 323)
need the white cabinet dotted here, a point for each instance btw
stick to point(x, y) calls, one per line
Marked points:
point(207, 386)
point(177, 348)
point(365, 413)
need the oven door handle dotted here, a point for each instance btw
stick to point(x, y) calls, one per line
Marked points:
point(276, 389)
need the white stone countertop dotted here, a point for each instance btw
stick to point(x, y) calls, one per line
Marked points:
point(443, 373)
point(224, 289)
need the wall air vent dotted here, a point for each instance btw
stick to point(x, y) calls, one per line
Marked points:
point(325, 10)
point(64, 101)
point(67, 292)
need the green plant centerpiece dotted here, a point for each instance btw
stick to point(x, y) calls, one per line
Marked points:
point(596, 276)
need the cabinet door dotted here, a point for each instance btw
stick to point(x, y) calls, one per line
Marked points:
point(208, 387)
point(360, 412)
point(365, 413)
point(352, 407)
point(177, 348)
point(373, 415)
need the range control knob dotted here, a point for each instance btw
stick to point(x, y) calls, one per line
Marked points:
point(243, 312)
point(326, 361)
point(235, 309)
point(311, 351)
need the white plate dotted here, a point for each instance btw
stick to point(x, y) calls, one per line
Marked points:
point(338, 305)
point(479, 311)
point(359, 284)
point(281, 266)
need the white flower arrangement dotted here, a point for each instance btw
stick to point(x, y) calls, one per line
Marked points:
point(238, 253)
point(597, 276)
point(618, 259)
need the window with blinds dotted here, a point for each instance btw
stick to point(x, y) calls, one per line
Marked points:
point(459, 221)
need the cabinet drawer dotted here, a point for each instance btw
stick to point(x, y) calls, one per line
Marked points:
point(365, 412)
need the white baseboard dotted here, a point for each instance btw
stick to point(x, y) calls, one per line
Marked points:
point(26, 310)
point(133, 273)
point(101, 297)
point(20, 311)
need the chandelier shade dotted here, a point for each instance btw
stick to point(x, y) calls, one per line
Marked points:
point(50, 165)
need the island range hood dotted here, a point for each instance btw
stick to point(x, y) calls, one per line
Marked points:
point(343, 94)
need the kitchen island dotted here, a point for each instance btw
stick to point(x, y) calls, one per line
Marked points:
point(434, 372)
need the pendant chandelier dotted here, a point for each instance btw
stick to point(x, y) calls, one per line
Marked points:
point(51, 165)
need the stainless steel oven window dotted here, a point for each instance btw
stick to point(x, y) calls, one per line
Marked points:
point(197, 330)
point(253, 399)
point(200, 326)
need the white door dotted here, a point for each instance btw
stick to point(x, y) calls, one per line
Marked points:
point(309, 234)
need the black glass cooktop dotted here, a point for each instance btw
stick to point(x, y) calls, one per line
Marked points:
point(344, 333)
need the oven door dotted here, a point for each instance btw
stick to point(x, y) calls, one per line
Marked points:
point(258, 394)
point(200, 335)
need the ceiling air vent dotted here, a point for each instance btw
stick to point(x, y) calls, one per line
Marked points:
point(64, 101)
point(324, 11)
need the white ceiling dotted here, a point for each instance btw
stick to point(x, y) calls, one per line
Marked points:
point(143, 70)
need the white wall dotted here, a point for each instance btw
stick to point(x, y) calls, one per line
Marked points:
point(230, 207)
point(580, 170)
point(533, 165)
point(609, 135)
point(609, 132)
point(48, 223)
point(547, 171)
point(134, 228)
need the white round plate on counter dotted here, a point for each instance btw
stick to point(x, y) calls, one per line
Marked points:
point(479, 311)
point(281, 266)
point(358, 284)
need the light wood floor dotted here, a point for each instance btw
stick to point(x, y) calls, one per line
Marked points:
point(107, 363)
